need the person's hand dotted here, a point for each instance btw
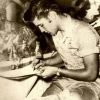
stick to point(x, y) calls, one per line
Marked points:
point(40, 64)
point(47, 71)
point(35, 62)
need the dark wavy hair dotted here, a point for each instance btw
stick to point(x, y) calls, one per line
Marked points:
point(41, 8)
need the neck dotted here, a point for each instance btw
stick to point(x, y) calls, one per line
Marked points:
point(63, 22)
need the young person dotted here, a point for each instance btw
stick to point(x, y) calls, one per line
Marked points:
point(77, 43)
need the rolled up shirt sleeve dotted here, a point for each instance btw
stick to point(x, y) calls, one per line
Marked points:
point(88, 41)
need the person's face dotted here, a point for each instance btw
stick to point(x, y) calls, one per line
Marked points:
point(46, 24)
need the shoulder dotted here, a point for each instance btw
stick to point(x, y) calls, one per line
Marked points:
point(84, 30)
point(88, 40)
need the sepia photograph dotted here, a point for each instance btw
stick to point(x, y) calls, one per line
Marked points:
point(49, 49)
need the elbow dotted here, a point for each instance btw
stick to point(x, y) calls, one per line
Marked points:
point(91, 77)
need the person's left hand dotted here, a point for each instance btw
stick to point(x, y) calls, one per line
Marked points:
point(47, 71)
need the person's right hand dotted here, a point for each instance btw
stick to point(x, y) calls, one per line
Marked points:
point(47, 71)
point(35, 62)
point(40, 64)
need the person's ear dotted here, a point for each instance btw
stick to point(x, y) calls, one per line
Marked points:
point(52, 16)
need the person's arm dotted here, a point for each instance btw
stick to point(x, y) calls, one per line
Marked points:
point(53, 60)
point(89, 73)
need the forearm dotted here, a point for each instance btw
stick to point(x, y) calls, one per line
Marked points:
point(78, 74)
point(55, 60)
point(88, 73)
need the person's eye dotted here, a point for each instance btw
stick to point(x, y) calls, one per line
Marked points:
point(41, 25)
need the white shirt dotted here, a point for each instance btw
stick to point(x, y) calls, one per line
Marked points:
point(79, 40)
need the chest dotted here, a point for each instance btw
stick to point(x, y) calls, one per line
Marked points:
point(66, 43)
point(68, 48)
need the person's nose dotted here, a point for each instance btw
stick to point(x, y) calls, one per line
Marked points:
point(42, 29)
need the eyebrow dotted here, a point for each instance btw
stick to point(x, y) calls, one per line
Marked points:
point(40, 25)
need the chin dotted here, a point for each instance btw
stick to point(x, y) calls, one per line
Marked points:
point(51, 33)
point(89, 19)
